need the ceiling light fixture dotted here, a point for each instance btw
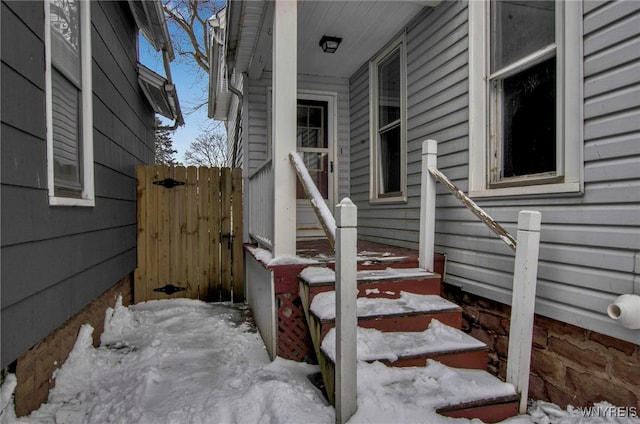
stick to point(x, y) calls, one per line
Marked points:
point(330, 44)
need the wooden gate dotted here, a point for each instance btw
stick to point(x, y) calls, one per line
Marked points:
point(189, 233)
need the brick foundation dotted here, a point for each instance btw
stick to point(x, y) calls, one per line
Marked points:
point(569, 365)
point(34, 369)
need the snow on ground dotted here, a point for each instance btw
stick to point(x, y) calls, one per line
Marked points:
point(188, 362)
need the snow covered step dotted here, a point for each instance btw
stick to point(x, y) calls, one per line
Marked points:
point(387, 283)
point(409, 312)
point(405, 349)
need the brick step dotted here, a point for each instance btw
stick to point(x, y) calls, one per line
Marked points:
point(409, 312)
point(491, 410)
point(440, 342)
point(387, 283)
point(490, 400)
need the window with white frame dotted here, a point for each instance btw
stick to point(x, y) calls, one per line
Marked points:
point(69, 103)
point(525, 97)
point(387, 91)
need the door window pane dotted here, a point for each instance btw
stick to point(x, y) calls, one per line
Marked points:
point(311, 127)
point(317, 165)
point(519, 28)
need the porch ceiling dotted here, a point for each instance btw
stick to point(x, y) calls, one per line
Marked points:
point(364, 26)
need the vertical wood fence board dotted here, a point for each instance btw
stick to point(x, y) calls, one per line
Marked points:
point(225, 231)
point(152, 236)
point(178, 234)
point(164, 231)
point(238, 252)
point(191, 228)
point(214, 213)
point(204, 223)
point(140, 281)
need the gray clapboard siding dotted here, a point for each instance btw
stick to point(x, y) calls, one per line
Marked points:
point(44, 311)
point(21, 169)
point(55, 260)
point(28, 221)
point(18, 105)
point(21, 56)
point(612, 79)
point(61, 257)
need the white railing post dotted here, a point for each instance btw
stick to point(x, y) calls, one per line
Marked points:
point(428, 204)
point(346, 320)
point(523, 303)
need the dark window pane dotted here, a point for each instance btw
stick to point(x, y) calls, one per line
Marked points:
point(519, 28)
point(315, 117)
point(66, 132)
point(529, 121)
point(65, 38)
point(302, 137)
point(389, 90)
point(302, 116)
point(390, 161)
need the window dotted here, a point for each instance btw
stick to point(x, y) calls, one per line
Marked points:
point(525, 129)
point(387, 90)
point(68, 103)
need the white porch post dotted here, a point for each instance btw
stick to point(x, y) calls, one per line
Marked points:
point(285, 41)
point(525, 274)
point(428, 205)
point(346, 317)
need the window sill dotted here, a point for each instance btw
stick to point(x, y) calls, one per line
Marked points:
point(70, 201)
point(532, 190)
point(388, 200)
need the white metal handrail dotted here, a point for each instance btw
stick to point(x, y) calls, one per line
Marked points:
point(320, 207)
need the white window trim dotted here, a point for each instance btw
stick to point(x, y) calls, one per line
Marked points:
point(87, 197)
point(569, 57)
point(374, 144)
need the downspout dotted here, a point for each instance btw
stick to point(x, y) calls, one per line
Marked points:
point(240, 97)
point(179, 121)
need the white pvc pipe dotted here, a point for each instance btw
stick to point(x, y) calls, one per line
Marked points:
point(626, 309)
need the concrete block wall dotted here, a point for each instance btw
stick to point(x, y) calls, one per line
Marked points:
point(34, 369)
point(569, 365)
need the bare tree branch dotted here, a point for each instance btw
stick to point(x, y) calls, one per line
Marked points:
point(191, 18)
point(209, 149)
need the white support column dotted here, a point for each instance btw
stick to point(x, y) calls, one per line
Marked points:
point(525, 274)
point(428, 204)
point(285, 40)
point(346, 320)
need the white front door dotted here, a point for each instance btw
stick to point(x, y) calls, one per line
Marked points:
point(315, 140)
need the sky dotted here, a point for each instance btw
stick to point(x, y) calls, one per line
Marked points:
point(182, 361)
point(192, 90)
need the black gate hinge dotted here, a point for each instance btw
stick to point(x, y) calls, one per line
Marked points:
point(169, 289)
point(168, 183)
